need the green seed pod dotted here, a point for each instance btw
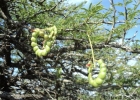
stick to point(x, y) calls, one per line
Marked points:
point(49, 43)
point(36, 30)
point(46, 37)
point(53, 38)
point(44, 52)
point(37, 51)
point(102, 75)
point(50, 36)
point(102, 65)
point(90, 70)
point(35, 34)
point(47, 48)
point(103, 69)
point(33, 39)
point(33, 44)
point(35, 48)
point(41, 33)
point(91, 81)
point(98, 81)
point(89, 76)
point(100, 61)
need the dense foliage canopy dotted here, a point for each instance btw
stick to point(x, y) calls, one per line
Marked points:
point(62, 73)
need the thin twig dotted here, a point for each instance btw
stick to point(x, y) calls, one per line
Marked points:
point(113, 22)
point(3, 15)
point(125, 13)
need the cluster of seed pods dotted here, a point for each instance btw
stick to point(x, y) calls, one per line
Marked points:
point(49, 35)
point(101, 76)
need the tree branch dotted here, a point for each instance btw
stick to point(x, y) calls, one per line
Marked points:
point(2, 14)
point(98, 46)
point(12, 96)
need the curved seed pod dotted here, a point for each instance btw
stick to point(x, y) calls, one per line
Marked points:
point(33, 39)
point(89, 70)
point(44, 52)
point(37, 51)
point(35, 48)
point(54, 37)
point(49, 43)
point(51, 34)
point(91, 81)
point(36, 30)
point(46, 37)
point(98, 81)
point(34, 34)
point(100, 61)
point(47, 48)
point(102, 65)
point(49, 40)
point(40, 53)
point(33, 44)
point(102, 75)
point(89, 76)
point(103, 69)
point(41, 33)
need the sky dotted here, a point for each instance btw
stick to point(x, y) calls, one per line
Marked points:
point(106, 4)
